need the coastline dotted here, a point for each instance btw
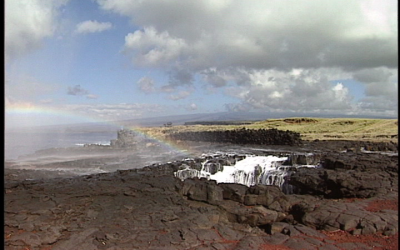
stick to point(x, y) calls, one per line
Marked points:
point(147, 208)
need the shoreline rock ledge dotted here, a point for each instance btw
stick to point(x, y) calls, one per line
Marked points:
point(149, 208)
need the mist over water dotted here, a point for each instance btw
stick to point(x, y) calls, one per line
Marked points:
point(24, 142)
point(64, 153)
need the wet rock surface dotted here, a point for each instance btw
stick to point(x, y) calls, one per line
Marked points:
point(149, 208)
point(349, 175)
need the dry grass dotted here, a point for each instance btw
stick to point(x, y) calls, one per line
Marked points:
point(384, 130)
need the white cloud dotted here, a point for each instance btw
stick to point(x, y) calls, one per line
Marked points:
point(146, 84)
point(27, 23)
point(180, 95)
point(253, 34)
point(267, 54)
point(192, 107)
point(114, 112)
point(152, 47)
point(91, 96)
point(256, 44)
point(307, 91)
point(167, 89)
point(90, 26)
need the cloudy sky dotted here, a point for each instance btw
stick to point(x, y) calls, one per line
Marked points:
point(84, 60)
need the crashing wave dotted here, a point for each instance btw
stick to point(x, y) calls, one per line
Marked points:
point(248, 170)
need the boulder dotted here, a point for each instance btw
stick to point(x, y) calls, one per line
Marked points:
point(233, 191)
point(202, 190)
point(258, 216)
point(348, 175)
point(268, 196)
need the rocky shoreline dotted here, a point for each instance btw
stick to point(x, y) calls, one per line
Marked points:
point(349, 203)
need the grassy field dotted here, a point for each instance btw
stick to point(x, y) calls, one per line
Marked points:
point(309, 128)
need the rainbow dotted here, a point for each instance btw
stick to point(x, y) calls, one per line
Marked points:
point(169, 144)
point(29, 110)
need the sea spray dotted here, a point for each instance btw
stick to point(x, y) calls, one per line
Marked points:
point(248, 170)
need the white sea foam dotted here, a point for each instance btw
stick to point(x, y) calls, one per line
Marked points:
point(251, 170)
point(102, 143)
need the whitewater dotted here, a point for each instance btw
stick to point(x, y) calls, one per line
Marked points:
point(248, 170)
point(224, 163)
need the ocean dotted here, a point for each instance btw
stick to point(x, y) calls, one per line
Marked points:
point(249, 170)
point(23, 142)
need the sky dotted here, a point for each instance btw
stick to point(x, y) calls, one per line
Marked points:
point(70, 61)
